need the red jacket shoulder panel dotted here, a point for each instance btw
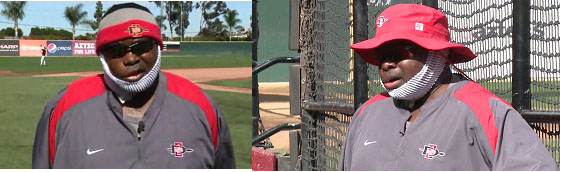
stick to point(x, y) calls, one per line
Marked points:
point(190, 91)
point(477, 98)
point(77, 91)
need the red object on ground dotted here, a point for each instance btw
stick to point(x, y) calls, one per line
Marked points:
point(263, 160)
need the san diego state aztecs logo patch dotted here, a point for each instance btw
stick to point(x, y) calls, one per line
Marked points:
point(136, 30)
point(178, 149)
point(430, 151)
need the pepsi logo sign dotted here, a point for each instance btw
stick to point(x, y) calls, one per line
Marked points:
point(52, 48)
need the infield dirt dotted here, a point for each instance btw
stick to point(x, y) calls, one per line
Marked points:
point(274, 110)
point(196, 75)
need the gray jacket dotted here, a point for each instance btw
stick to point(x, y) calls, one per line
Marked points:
point(82, 127)
point(465, 128)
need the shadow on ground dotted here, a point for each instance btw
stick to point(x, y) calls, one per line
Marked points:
point(273, 98)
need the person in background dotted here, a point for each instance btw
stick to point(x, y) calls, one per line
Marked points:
point(43, 53)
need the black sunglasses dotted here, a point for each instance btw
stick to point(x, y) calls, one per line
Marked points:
point(394, 53)
point(398, 51)
point(137, 47)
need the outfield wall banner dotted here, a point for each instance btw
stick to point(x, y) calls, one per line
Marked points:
point(31, 47)
point(59, 48)
point(171, 46)
point(9, 47)
point(84, 48)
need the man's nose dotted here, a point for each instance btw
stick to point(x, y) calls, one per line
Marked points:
point(388, 64)
point(131, 59)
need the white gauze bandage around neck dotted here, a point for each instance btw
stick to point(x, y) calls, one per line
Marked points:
point(423, 81)
point(124, 89)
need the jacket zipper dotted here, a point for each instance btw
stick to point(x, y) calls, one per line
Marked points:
point(140, 129)
point(403, 133)
point(399, 151)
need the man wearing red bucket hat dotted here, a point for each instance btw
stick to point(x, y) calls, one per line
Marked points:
point(429, 118)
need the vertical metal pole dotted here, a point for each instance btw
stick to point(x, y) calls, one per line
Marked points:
point(182, 20)
point(360, 25)
point(294, 24)
point(255, 103)
point(307, 127)
point(521, 50)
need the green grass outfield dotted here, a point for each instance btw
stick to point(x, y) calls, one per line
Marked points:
point(551, 95)
point(30, 65)
point(243, 83)
point(23, 99)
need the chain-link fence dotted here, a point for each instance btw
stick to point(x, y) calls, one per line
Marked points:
point(325, 46)
point(484, 26)
point(545, 55)
point(545, 69)
point(325, 37)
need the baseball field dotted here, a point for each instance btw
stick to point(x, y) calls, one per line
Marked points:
point(25, 88)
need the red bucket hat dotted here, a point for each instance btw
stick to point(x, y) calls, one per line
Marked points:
point(420, 24)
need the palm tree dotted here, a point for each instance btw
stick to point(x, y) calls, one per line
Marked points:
point(75, 16)
point(92, 24)
point(13, 10)
point(232, 21)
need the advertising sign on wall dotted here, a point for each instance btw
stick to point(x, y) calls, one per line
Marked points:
point(170, 46)
point(31, 47)
point(9, 47)
point(59, 48)
point(84, 48)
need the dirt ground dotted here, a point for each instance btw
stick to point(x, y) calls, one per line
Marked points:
point(9, 73)
point(274, 110)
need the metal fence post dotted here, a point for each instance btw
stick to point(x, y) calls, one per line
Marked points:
point(521, 98)
point(360, 25)
point(255, 104)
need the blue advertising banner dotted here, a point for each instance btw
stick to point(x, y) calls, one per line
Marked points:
point(59, 48)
